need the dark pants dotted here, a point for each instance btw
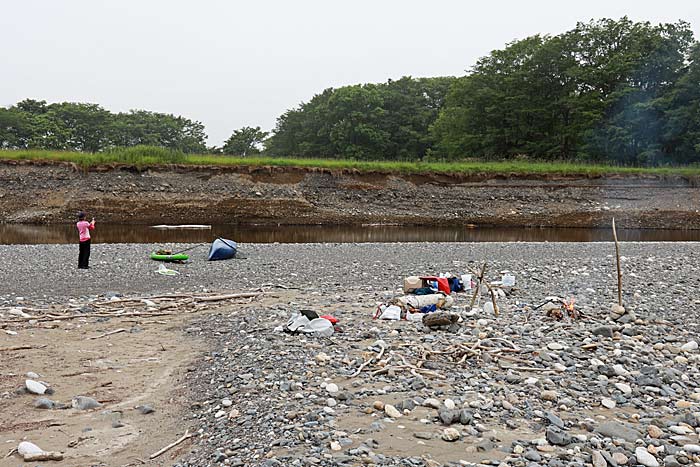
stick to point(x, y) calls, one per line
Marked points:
point(84, 255)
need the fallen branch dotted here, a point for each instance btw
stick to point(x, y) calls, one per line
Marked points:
point(478, 285)
point(217, 298)
point(362, 367)
point(108, 333)
point(17, 347)
point(171, 445)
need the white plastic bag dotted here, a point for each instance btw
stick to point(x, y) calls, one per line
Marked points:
point(389, 312)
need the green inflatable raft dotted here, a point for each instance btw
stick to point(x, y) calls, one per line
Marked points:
point(169, 258)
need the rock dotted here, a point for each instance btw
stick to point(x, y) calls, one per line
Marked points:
point(598, 460)
point(644, 458)
point(654, 431)
point(450, 434)
point(626, 389)
point(690, 346)
point(322, 358)
point(44, 403)
point(617, 430)
point(332, 388)
point(671, 461)
point(335, 446)
point(432, 403)
point(554, 419)
point(533, 456)
point(557, 436)
point(555, 346)
point(608, 403)
point(423, 435)
point(378, 405)
point(692, 448)
point(391, 411)
point(84, 403)
point(450, 404)
point(604, 331)
point(146, 409)
point(620, 458)
point(448, 417)
point(548, 395)
point(35, 387)
point(32, 375)
point(26, 448)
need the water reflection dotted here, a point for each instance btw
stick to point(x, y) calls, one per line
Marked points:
point(120, 233)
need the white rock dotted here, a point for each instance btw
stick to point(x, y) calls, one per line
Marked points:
point(219, 414)
point(555, 346)
point(450, 434)
point(35, 387)
point(432, 403)
point(226, 402)
point(391, 411)
point(693, 448)
point(335, 446)
point(26, 448)
point(608, 403)
point(450, 404)
point(625, 388)
point(32, 375)
point(531, 380)
point(620, 370)
point(644, 458)
point(690, 346)
point(332, 388)
point(330, 402)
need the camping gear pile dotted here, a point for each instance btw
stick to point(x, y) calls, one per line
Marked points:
point(424, 294)
point(219, 249)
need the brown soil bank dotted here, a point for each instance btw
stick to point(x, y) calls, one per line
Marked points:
point(52, 193)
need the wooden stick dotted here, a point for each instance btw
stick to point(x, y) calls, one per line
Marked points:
point(478, 284)
point(217, 298)
point(493, 299)
point(108, 333)
point(619, 271)
point(171, 445)
point(18, 347)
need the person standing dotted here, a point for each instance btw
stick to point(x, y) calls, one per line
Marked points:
point(84, 227)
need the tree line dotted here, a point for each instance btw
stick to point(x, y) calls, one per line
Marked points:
point(608, 90)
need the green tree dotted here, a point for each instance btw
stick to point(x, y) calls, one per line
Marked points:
point(245, 141)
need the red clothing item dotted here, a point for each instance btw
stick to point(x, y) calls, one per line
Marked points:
point(84, 228)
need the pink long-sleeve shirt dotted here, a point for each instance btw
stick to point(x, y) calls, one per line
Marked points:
point(84, 228)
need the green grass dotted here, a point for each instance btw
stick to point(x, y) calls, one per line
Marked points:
point(144, 156)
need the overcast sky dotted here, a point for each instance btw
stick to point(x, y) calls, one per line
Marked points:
point(231, 63)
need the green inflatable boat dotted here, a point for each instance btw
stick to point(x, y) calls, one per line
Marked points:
point(169, 258)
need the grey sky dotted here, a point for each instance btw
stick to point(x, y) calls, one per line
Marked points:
point(231, 63)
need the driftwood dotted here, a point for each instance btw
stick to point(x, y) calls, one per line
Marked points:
point(619, 270)
point(44, 456)
point(17, 347)
point(478, 285)
point(171, 445)
point(362, 367)
point(108, 333)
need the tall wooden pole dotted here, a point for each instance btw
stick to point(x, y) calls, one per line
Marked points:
point(619, 270)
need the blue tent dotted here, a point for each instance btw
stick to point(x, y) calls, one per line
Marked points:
point(222, 249)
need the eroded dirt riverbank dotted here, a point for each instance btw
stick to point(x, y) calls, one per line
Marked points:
point(52, 193)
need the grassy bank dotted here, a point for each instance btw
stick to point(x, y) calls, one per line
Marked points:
point(147, 156)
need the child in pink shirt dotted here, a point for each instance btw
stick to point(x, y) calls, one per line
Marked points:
point(84, 227)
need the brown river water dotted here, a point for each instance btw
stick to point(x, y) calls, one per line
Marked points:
point(120, 233)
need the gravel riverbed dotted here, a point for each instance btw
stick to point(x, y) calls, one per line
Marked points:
point(520, 389)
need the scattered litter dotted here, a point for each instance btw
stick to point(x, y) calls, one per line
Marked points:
point(309, 323)
point(165, 271)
